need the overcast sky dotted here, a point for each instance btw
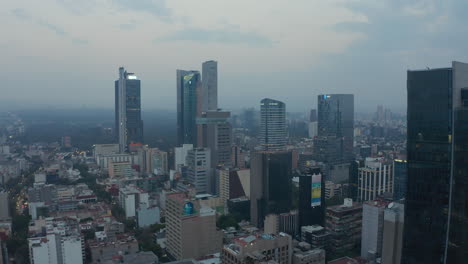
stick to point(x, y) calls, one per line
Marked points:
point(67, 52)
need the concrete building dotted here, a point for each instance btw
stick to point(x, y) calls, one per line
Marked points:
point(393, 233)
point(315, 235)
point(159, 163)
point(375, 179)
point(128, 122)
point(285, 223)
point(147, 216)
point(131, 198)
point(103, 160)
point(181, 155)
point(215, 133)
point(305, 255)
point(332, 189)
point(344, 222)
point(258, 248)
point(372, 228)
point(122, 169)
point(4, 206)
point(234, 183)
point(272, 124)
point(191, 230)
point(105, 149)
point(199, 170)
point(209, 92)
point(102, 251)
point(237, 157)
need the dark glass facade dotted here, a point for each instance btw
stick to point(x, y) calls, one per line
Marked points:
point(133, 110)
point(336, 126)
point(188, 106)
point(399, 179)
point(429, 162)
point(458, 236)
point(308, 214)
point(270, 184)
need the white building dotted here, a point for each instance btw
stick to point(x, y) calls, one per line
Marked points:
point(181, 155)
point(375, 179)
point(372, 228)
point(147, 216)
point(130, 198)
point(105, 149)
point(56, 249)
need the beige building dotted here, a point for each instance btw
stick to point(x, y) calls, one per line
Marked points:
point(311, 256)
point(191, 230)
point(259, 248)
point(120, 169)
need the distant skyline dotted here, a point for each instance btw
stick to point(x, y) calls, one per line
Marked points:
point(67, 53)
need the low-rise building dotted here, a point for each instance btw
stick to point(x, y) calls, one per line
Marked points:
point(259, 248)
point(344, 222)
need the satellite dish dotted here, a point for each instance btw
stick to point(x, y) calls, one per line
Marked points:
point(390, 205)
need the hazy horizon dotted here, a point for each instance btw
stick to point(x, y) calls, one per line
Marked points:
point(68, 52)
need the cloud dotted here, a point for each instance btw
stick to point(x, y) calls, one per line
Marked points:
point(80, 8)
point(225, 36)
point(130, 26)
point(24, 15)
point(157, 8)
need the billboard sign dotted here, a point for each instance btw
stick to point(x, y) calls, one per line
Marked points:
point(316, 190)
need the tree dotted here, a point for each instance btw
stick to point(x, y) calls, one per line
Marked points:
point(226, 221)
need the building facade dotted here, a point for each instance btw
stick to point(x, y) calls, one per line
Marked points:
point(199, 170)
point(435, 205)
point(372, 228)
point(188, 106)
point(400, 177)
point(375, 179)
point(394, 221)
point(335, 127)
point(128, 122)
point(209, 86)
point(311, 198)
point(272, 124)
point(215, 133)
point(270, 184)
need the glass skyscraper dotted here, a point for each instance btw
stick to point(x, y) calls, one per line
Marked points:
point(436, 202)
point(400, 176)
point(335, 127)
point(272, 124)
point(128, 123)
point(188, 106)
point(270, 184)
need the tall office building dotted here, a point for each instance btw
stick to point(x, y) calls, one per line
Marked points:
point(214, 132)
point(336, 126)
point(270, 185)
point(188, 106)
point(209, 86)
point(272, 124)
point(199, 170)
point(436, 229)
point(311, 198)
point(313, 124)
point(4, 206)
point(128, 122)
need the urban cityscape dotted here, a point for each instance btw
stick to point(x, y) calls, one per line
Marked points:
point(258, 184)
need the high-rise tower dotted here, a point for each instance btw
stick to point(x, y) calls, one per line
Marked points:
point(335, 127)
point(436, 216)
point(128, 123)
point(188, 106)
point(272, 124)
point(209, 86)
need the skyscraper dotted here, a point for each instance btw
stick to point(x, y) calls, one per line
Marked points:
point(128, 123)
point(199, 170)
point(311, 198)
point(435, 210)
point(272, 124)
point(209, 86)
point(336, 126)
point(270, 184)
point(214, 132)
point(188, 106)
